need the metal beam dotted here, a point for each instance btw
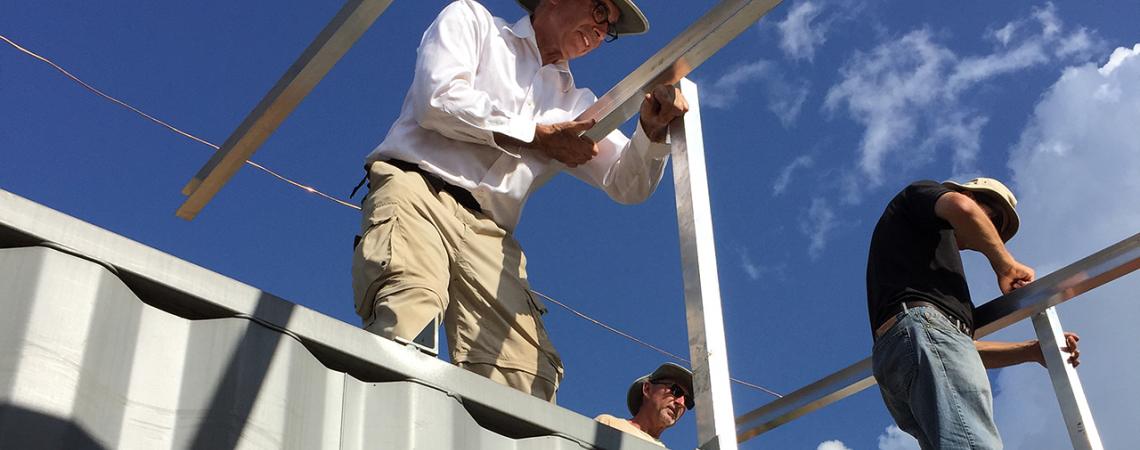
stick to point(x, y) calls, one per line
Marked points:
point(330, 45)
point(707, 350)
point(1070, 395)
point(677, 59)
point(1058, 287)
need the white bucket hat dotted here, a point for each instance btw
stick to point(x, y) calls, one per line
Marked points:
point(631, 21)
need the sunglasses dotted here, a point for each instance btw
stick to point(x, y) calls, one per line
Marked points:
point(677, 391)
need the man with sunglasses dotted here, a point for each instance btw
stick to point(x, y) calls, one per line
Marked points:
point(656, 402)
point(490, 117)
point(930, 370)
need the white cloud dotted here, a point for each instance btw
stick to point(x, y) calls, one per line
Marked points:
point(781, 183)
point(755, 271)
point(1004, 34)
point(785, 99)
point(1078, 44)
point(832, 445)
point(911, 94)
point(751, 268)
point(894, 438)
point(1047, 18)
point(961, 133)
point(884, 89)
point(799, 36)
point(1077, 175)
point(818, 224)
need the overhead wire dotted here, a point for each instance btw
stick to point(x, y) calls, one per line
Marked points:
point(313, 190)
point(646, 344)
point(170, 127)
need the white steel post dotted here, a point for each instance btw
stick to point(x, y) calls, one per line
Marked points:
point(716, 424)
point(1070, 394)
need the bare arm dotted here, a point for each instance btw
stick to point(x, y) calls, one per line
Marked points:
point(975, 231)
point(1003, 354)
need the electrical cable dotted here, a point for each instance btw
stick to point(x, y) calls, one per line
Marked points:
point(168, 126)
point(646, 344)
point(344, 203)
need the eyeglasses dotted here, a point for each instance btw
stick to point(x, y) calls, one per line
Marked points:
point(602, 17)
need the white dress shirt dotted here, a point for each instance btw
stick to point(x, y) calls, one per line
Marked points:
point(477, 75)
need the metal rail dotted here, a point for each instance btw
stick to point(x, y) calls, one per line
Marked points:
point(677, 59)
point(707, 348)
point(1058, 287)
point(1066, 384)
point(330, 45)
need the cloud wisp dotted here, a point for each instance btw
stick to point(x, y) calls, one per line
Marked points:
point(755, 270)
point(800, 33)
point(784, 98)
point(914, 86)
point(785, 177)
point(817, 225)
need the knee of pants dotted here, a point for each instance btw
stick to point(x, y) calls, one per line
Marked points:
point(399, 250)
point(404, 313)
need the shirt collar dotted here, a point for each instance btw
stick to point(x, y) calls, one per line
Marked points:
point(523, 29)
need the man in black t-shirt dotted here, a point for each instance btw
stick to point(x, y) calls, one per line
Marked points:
point(930, 370)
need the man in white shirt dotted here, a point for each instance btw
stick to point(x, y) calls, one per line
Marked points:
point(656, 401)
point(488, 119)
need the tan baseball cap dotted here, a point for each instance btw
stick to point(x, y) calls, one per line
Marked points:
point(671, 371)
point(998, 197)
point(632, 20)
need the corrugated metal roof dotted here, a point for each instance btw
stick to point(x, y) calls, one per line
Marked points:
point(107, 343)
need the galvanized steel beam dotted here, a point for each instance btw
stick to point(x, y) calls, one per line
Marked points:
point(1075, 279)
point(330, 45)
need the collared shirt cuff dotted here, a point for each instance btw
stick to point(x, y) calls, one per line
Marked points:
point(517, 128)
point(652, 149)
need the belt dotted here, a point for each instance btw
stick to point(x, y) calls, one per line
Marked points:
point(462, 196)
point(904, 306)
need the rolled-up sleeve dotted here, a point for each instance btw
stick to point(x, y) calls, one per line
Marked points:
point(628, 170)
point(443, 96)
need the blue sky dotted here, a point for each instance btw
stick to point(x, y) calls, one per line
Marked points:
point(813, 119)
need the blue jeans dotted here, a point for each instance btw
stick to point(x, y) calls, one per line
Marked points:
point(934, 384)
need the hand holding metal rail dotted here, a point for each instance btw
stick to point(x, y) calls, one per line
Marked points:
point(1058, 287)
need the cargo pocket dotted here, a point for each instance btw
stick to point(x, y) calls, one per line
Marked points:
point(373, 258)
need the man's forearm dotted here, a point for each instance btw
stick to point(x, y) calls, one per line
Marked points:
point(1003, 354)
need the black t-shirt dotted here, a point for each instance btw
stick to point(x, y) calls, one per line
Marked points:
point(914, 256)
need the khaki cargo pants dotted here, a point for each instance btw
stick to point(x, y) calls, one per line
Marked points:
point(422, 254)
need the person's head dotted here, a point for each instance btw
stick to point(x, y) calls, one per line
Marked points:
point(995, 199)
point(567, 29)
point(658, 400)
